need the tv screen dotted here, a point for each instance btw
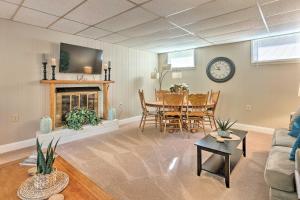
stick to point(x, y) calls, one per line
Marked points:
point(77, 59)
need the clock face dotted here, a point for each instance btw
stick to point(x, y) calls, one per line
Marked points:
point(220, 69)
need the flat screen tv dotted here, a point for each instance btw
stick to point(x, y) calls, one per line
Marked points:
point(77, 59)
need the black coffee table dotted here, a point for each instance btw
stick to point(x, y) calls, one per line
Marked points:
point(225, 155)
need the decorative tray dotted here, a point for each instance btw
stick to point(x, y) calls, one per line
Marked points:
point(27, 191)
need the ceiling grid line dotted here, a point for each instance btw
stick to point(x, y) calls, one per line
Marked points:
point(19, 7)
point(262, 17)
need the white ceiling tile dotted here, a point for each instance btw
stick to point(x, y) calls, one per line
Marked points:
point(139, 1)
point(236, 27)
point(284, 18)
point(234, 17)
point(168, 7)
point(14, 1)
point(95, 11)
point(281, 6)
point(286, 28)
point(55, 7)
point(128, 19)
point(7, 10)
point(93, 33)
point(147, 28)
point(238, 36)
point(211, 9)
point(68, 26)
point(113, 38)
point(34, 17)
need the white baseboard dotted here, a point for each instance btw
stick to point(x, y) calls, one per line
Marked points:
point(129, 120)
point(259, 129)
point(65, 135)
point(17, 145)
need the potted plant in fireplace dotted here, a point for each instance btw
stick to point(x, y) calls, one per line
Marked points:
point(45, 176)
point(224, 126)
point(78, 117)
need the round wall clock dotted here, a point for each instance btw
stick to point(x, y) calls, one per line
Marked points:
point(220, 69)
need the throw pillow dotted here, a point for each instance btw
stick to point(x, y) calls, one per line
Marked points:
point(295, 128)
point(296, 145)
point(296, 114)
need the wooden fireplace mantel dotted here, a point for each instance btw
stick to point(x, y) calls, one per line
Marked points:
point(53, 83)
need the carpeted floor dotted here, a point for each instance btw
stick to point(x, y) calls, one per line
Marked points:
point(147, 166)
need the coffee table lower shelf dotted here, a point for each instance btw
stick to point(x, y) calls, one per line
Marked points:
point(215, 163)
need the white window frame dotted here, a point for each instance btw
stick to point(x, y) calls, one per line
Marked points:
point(277, 61)
point(186, 67)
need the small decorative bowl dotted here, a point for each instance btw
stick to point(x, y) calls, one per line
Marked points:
point(223, 133)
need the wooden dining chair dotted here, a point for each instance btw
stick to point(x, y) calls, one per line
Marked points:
point(147, 116)
point(213, 100)
point(196, 110)
point(172, 111)
point(159, 94)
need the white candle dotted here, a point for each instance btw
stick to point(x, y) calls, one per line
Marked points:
point(44, 58)
point(53, 61)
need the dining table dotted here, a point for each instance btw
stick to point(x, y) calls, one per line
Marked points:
point(159, 105)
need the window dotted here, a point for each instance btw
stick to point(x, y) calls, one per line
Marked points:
point(182, 59)
point(285, 47)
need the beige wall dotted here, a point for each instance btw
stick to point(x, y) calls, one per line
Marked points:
point(271, 89)
point(22, 95)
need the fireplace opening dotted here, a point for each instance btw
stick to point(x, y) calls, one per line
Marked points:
point(68, 98)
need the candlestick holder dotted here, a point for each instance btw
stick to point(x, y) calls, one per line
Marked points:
point(44, 70)
point(105, 74)
point(109, 70)
point(53, 72)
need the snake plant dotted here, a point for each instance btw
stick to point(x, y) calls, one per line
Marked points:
point(45, 163)
point(225, 125)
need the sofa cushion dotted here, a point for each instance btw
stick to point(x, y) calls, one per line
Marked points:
point(295, 128)
point(281, 138)
point(279, 171)
point(294, 148)
point(279, 195)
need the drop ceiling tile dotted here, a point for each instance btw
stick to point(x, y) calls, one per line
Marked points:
point(128, 19)
point(55, 7)
point(14, 1)
point(7, 9)
point(211, 9)
point(34, 17)
point(168, 7)
point(238, 36)
point(279, 7)
point(284, 18)
point(95, 11)
point(139, 1)
point(93, 33)
point(236, 27)
point(68, 26)
point(113, 38)
point(147, 28)
point(286, 28)
point(234, 17)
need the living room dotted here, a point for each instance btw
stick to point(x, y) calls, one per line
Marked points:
point(96, 76)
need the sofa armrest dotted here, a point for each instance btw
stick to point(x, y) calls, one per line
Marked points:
point(297, 160)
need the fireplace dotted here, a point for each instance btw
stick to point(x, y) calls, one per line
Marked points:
point(68, 98)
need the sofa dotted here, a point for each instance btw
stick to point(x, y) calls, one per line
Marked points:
point(280, 171)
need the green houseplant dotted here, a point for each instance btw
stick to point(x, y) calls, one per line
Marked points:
point(179, 87)
point(78, 117)
point(46, 175)
point(224, 126)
